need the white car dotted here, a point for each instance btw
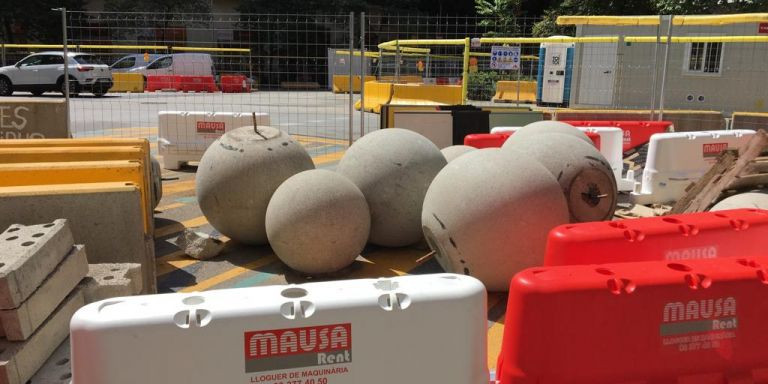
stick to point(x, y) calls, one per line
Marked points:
point(43, 72)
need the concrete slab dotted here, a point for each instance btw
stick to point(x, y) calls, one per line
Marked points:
point(109, 280)
point(28, 118)
point(57, 369)
point(20, 360)
point(105, 217)
point(29, 251)
point(20, 323)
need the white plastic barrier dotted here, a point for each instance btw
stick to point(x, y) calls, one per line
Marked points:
point(611, 141)
point(184, 136)
point(677, 159)
point(409, 329)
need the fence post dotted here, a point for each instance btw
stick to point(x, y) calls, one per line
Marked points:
point(351, 76)
point(465, 71)
point(363, 72)
point(66, 65)
point(655, 67)
point(3, 54)
point(664, 70)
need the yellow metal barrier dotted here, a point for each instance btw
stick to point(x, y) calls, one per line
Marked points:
point(402, 79)
point(424, 94)
point(127, 82)
point(341, 83)
point(376, 94)
point(506, 91)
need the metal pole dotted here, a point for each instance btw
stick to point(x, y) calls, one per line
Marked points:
point(4, 55)
point(397, 62)
point(363, 72)
point(664, 70)
point(351, 76)
point(465, 71)
point(519, 68)
point(66, 65)
point(655, 67)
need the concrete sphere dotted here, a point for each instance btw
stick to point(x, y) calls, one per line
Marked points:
point(318, 222)
point(548, 126)
point(747, 200)
point(584, 175)
point(487, 214)
point(393, 168)
point(454, 151)
point(238, 174)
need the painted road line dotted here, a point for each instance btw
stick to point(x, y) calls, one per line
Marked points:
point(228, 275)
point(495, 336)
point(328, 158)
point(324, 140)
point(172, 261)
point(168, 207)
point(178, 187)
point(178, 227)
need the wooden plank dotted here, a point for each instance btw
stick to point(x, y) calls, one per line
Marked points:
point(749, 181)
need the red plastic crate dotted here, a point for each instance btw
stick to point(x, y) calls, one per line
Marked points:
point(495, 140)
point(700, 321)
point(705, 235)
point(636, 132)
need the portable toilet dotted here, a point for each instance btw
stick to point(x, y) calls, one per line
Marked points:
point(553, 86)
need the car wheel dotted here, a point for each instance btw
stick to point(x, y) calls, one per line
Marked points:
point(74, 88)
point(6, 88)
point(37, 92)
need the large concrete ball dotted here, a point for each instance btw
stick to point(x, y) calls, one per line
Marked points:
point(487, 215)
point(318, 222)
point(454, 151)
point(585, 176)
point(393, 168)
point(238, 174)
point(747, 200)
point(548, 126)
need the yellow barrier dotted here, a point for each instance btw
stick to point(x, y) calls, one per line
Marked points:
point(341, 83)
point(506, 91)
point(423, 94)
point(127, 82)
point(402, 79)
point(376, 94)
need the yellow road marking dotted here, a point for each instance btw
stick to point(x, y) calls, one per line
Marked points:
point(173, 261)
point(168, 207)
point(324, 140)
point(495, 336)
point(178, 187)
point(178, 227)
point(230, 274)
point(328, 158)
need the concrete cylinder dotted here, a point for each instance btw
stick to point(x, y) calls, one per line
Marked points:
point(584, 175)
point(393, 168)
point(747, 200)
point(548, 126)
point(454, 151)
point(238, 174)
point(487, 214)
point(318, 222)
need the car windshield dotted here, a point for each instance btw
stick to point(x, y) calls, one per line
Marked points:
point(87, 59)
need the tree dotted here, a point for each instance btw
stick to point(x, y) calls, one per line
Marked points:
point(500, 16)
point(33, 21)
point(695, 7)
point(158, 6)
point(548, 26)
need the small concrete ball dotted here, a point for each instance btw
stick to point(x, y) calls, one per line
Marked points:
point(747, 200)
point(318, 222)
point(487, 214)
point(548, 126)
point(238, 174)
point(585, 176)
point(454, 151)
point(393, 168)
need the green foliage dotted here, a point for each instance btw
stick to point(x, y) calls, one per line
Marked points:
point(499, 15)
point(482, 85)
point(159, 6)
point(687, 7)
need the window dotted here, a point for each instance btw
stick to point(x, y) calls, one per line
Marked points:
point(52, 60)
point(125, 63)
point(165, 62)
point(704, 58)
point(32, 60)
point(87, 59)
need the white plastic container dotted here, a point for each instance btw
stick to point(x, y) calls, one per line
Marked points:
point(610, 147)
point(677, 159)
point(409, 329)
point(184, 136)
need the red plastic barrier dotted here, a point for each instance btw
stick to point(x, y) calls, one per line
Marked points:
point(701, 322)
point(495, 140)
point(235, 84)
point(636, 132)
point(198, 84)
point(705, 235)
point(163, 82)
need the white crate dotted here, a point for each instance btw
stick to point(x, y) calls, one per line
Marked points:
point(610, 147)
point(185, 135)
point(677, 159)
point(408, 329)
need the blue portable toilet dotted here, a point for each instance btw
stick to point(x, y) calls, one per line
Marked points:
point(553, 85)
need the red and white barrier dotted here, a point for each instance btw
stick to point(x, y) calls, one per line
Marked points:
point(185, 135)
point(409, 329)
point(197, 84)
point(694, 322)
point(163, 83)
point(705, 235)
point(675, 160)
point(235, 84)
point(636, 133)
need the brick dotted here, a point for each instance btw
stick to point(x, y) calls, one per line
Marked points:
point(109, 280)
point(28, 254)
point(19, 360)
point(57, 369)
point(20, 323)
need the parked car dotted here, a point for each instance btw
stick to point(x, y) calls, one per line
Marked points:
point(129, 62)
point(44, 72)
point(191, 64)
